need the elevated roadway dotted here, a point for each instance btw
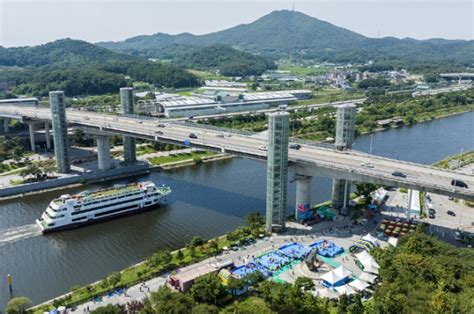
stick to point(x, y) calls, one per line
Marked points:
point(311, 159)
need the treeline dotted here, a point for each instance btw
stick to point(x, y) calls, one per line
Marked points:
point(424, 275)
point(81, 68)
point(229, 61)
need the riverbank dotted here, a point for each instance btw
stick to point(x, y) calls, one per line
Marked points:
point(418, 121)
point(77, 180)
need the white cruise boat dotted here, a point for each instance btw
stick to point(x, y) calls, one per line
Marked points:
point(70, 211)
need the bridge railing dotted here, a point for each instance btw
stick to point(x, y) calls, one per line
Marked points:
point(364, 172)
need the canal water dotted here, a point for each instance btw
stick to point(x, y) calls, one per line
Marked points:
point(207, 200)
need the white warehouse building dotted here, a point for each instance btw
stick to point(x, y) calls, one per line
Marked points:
point(186, 106)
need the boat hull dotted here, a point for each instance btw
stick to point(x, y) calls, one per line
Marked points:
point(101, 219)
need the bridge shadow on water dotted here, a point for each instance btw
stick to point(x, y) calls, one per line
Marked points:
point(212, 198)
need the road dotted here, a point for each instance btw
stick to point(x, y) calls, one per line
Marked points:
point(318, 159)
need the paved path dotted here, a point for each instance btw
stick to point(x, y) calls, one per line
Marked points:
point(337, 232)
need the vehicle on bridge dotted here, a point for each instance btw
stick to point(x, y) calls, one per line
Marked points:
point(459, 183)
point(294, 146)
point(399, 174)
point(192, 135)
point(71, 211)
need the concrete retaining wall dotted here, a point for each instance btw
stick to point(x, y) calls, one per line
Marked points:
point(74, 179)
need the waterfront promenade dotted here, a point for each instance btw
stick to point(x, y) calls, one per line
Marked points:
point(332, 231)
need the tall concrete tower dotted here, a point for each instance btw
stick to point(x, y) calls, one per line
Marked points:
point(126, 104)
point(277, 170)
point(345, 132)
point(345, 126)
point(61, 146)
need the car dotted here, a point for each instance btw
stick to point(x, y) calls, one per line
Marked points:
point(451, 198)
point(86, 118)
point(367, 165)
point(159, 132)
point(263, 148)
point(399, 174)
point(459, 183)
point(192, 135)
point(234, 247)
point(220, 135)
point(139, 121)
point(160, 125)
point(294, 146)
point(457, 236)
point(432, 216)
point(432, 211)
point(451, 213)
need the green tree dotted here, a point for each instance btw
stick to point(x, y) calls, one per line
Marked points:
point(114, 278)
point(203, 308)
point(213, 245)
point(180, 255)
point(249, 305)
point(197, 241)
point(365, 189)
point(304, 283)
point(108, 309)
point(207, 289)
point(161, 258)
point(356, 307)
point(166, 301)
point(342, 304)
point(252, 279)
point(17, 305)
point(254, 220)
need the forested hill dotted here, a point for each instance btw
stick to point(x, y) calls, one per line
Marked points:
point(63, 51)
point(283, 33)
point(81, 68)
point(229, 61)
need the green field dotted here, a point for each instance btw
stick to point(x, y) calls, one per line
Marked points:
point(300, 70)
point(206, 75)
point(156, 161)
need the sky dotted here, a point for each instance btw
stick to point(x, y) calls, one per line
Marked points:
point(33, 22)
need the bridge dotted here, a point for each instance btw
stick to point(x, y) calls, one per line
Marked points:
point(311, 159)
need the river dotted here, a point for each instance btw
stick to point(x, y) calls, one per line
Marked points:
point(207, 200)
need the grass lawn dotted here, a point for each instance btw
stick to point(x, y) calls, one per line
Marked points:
point(179, 157)
point(145, 149)
point(206, 75)
point(300, 70)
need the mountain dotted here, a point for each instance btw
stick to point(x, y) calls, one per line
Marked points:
point(82, 68)
point(280, 30)
point(283, 33)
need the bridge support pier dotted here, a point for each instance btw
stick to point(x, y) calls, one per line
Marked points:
point(303, 196)
point(59, 123)
point(31, 127)
point(103, 152)
point(6, 128)
point(277, 171)
point(126, 103)
point(341, 195)
point(47, 135)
